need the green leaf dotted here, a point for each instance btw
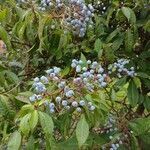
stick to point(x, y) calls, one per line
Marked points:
point(126, 12)
point(141, 99)
point(68, 144)
point(65, 71)
point(109, 15)
point(5, 37)
point(25, 110)
point(14, 141)
point(82, 131)
point(12, 77)
point(46, 123)
point(143, 75)
point(137, 82)
point(42, 22)
point(129, 41)
point(132, 17)
point(132, 94)
point(109, 53)
point(140, 126)
point(22, 30)
point(24, 124)
point(117, 43)
point(113, 94)
point(83, 58)
point(145, 138)
point(6, 109)
point(3, 15)
point(30, 144)
point(112, 35)
point(98, 47)
point(121, 82)
point(147, 103)
point(34, 119)
point(24, 96)
point(63, 41)
point(134, 143)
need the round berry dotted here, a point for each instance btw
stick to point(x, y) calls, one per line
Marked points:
point(75, 104)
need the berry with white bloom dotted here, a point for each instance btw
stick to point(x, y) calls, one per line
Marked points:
point(39, 97)
point(89, 62)
point(73, 65)
point(61, 85)
point(36, 79)
point(78, 109)
point(64, 103)
point(40, 87)
point(56, 70)
point(82, 103)
point(67, 107)
point(44, 79)
point(52, 110)
point(58, 99)
point(49, 71)
point(84, 69)
point(89, 103)
point(70, 93)
point(100, 70)
point(51, 105)
point(92, 108)
point(103, 84)
point(75, 104)
point(78, 68)
point(32, 98)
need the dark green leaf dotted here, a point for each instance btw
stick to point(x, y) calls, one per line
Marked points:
point(126, 12)
point(129, 41)
point(133, 94)
point(140, 126)
point(147, 103)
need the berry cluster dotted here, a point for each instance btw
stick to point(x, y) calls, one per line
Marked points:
point(76, 15)
point(70, 93)
point(116, 142)
point(65, 104)
point(79, 16)
point(117, 137)
point(48, 4)
point(39, 84)
point(91, 74)
point(121, 69)
point(110, 125)
point(35, 97)
point(67, 97)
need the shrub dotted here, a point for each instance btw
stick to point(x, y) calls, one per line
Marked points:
point(100, 100)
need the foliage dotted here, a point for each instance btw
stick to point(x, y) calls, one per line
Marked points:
point(110, 111)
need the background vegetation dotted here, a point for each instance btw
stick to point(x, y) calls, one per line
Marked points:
point(38, 40)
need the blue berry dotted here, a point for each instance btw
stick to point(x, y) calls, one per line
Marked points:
point(75, 104)
point(82, 103)
point(78, 68)
point(32, 98)
point(64, 103)
point(36, 79)
point(92, 108)
point(78, 109)
point(58, 99)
